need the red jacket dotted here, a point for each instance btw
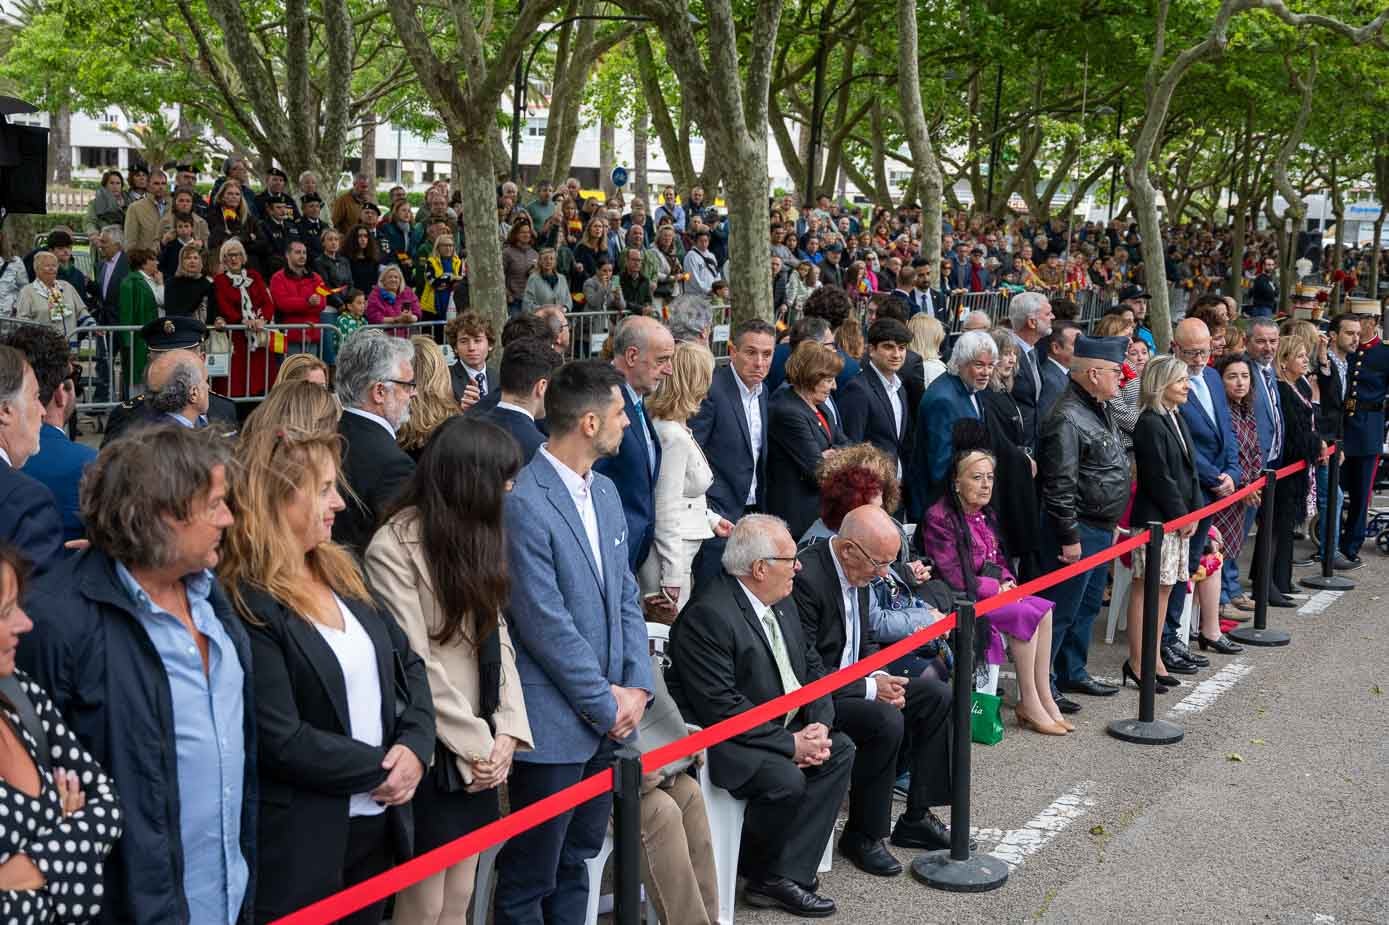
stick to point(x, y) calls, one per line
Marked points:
point(291, 297)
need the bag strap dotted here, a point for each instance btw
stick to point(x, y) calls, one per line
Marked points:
point(11, 689)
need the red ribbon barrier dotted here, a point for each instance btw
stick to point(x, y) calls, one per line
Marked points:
point(335, 907)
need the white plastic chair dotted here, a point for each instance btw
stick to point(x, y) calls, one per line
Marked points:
point(1118, 617)
point(482, 886)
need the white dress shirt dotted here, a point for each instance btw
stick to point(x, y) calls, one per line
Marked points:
point(849, 594)
point(894, 398)
point(752, 408)
point(356, 655)
point(581, 493)
point(373, 417)
point(508, 406)
point(645, 426)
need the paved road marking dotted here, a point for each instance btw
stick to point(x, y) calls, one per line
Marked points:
point(1043, 828)
point(1319, 602)
point(1208, 690)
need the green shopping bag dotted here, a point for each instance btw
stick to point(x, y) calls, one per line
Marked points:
point(986, 719)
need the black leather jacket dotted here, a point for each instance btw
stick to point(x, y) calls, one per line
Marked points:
point(1085, 471)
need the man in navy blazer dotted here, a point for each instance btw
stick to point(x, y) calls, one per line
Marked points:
point(731, 428)
point(642, 352)
point(580, 637)
point(1215, 452)
point(60, 461)
point(28, 514)
point(948, 398)
point(874, 405)
point(526, 367)
point(1057, 349)
point(1367, 385)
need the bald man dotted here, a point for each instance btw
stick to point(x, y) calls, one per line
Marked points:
point(178, 388)
point(642, 353)
point(831, 593)
point(1216, 453)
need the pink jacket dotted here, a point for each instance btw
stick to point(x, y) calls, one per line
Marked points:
point(379, 309)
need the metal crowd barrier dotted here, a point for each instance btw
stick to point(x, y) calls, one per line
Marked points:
point(588, 332)
point(108, 373)
point(960, 304)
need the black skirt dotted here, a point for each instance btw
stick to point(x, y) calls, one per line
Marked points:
point(441, 817)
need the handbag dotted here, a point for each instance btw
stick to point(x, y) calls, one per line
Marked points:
point(985, 718)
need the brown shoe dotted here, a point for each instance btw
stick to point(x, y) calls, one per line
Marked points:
point(1243, 602)
point(1048, 728)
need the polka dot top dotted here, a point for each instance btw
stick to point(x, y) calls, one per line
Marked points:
point(68, 850)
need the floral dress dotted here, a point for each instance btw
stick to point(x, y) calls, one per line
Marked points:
point(68, 850)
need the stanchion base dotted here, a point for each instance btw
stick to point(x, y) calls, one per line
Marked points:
point(980, 874)
point(1252, 636)
point(1333, 583)
point(1156, 732)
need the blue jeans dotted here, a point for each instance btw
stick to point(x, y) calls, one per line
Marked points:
point(1229, 569)
point(1077, 600)
point(1322, 516)
point(541, 873)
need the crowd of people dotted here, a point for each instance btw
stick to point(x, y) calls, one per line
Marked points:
point(276, 654)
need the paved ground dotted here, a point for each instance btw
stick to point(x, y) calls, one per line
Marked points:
point(1272, 809)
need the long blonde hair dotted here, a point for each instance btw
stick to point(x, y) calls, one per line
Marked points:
point(260, 550)
point(680, 396)
point(433, 402)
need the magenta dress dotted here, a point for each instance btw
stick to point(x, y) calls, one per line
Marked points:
point(1018, 619)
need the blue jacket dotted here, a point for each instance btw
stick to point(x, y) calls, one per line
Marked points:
point(1054, 380)
point(59, 464)
point(574, 635)
point(29, 518)
point(1264, 420)
point(721, 429)
point(96, 661)
point(1216, 450)
point(946, 401)
point(1367, 381)
point(634, 471)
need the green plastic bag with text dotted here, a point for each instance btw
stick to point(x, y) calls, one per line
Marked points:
point(986, 719)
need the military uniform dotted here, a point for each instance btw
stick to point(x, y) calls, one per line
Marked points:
point(1367, 386)
point(164, 334)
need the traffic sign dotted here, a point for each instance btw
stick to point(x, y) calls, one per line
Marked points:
point(619, 177)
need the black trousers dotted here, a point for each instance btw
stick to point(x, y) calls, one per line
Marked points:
point(791, 813)
point(879, 731)
point(368, 854)
point(1356, 473)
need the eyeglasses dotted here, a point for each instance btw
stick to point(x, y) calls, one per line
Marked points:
point(406, 384)
point(792, 559)
point(877, 566)
point(1194, 354)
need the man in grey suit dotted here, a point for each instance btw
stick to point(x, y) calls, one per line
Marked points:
point(581, 645)
point(1031, 317)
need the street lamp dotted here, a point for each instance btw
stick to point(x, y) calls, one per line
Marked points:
point(523, 76)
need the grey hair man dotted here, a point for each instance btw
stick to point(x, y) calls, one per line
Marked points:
point(948, 399)
point(375, 382)
point(1030, 315)
point(558, 324)
point(642, 353)
point(691, 318)
point(155, 508)
point(737, 643)
point(977, 321)
point(178, 388)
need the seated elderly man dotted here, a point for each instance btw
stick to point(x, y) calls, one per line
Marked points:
point(832, 596)
point(738, 643)
point(948, 398)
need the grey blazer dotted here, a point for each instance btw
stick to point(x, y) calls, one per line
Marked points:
point(574, 634)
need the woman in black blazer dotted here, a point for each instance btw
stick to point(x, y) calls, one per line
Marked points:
point(800, 432)
point(1300, 441)
point(1166, 489)
point(344, 718)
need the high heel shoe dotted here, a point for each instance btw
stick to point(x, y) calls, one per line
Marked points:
point(1129, 675)
point(1222, 644)
point(1064, 724)
point(1050, 729)
point(1164, 681)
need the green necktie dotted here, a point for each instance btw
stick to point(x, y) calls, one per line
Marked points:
point(782, 659)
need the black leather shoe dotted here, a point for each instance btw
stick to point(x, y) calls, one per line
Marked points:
point(926, 832)
point(1200, 661)
point(1088, 686)
point(788, 896)
point(1221, 644)
point(1066, 705)
point(869, 855)
point(1346, 563)
point(1175, 663)
point(1281, 600)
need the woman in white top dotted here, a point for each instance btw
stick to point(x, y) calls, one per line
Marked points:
point(683, 520)
point(50, 300)
point(344, 716)
point(927, 337)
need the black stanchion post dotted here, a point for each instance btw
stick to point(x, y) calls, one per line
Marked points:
point(1259, 634)
point(954, 870)
point(627, 837)
point(1328, 580)
point(1148, 730)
